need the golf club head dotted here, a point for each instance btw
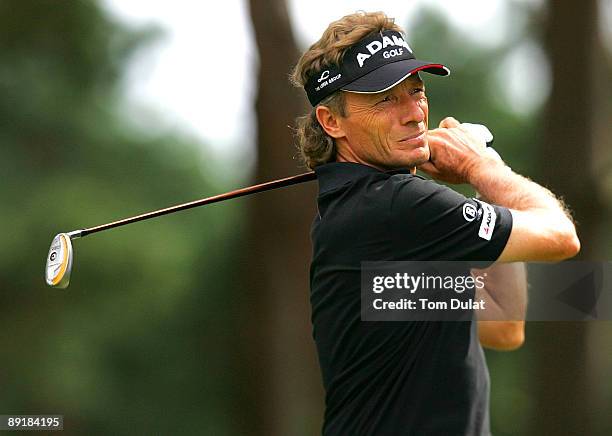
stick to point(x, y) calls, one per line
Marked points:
point(59, 262)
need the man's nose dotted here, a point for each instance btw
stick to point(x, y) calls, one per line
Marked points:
point(412, 109)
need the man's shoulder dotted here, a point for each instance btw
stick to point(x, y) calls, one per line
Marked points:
point(413, 188)
point(343, 176)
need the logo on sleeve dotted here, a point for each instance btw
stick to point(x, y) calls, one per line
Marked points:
point(487, 225)
point(469, 212)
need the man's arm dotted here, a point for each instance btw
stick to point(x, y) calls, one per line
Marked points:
point(542, 228)
point(505, 297)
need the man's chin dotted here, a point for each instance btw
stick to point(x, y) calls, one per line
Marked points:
point(406, 159)
point(416, 157)
point(423, 155)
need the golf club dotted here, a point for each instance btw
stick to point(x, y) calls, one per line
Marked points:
point(59, 260)
point(60, 257)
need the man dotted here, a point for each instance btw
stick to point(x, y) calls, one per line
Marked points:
point(365, 137)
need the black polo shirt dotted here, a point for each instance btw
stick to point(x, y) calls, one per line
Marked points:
point(396, 378)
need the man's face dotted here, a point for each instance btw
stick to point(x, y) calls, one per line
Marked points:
point(386, 129)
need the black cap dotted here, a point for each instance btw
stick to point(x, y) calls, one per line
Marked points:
point(374, 64)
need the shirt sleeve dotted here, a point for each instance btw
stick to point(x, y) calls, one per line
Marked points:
point(433, 222)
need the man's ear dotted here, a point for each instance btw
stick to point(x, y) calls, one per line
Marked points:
point(329, 121)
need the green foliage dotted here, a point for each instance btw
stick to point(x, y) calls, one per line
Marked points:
point(140, 339)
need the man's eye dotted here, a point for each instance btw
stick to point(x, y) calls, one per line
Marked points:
point(385, 100)
point(418, 90)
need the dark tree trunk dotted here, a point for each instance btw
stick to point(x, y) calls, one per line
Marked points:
point(562, 374)
point(285, 394)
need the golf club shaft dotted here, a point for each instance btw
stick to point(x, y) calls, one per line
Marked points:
point(281, 183)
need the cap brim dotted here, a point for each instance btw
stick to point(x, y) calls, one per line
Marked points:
point(389, 75)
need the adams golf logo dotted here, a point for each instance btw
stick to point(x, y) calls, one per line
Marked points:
point(376, 46)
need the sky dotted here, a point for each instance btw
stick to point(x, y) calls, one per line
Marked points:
point(181, 80)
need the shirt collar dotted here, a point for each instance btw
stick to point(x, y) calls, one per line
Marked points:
point(335, 174)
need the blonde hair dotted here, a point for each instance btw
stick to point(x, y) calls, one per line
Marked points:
point(315, 145)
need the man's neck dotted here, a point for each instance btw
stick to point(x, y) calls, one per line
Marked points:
point(350, 157)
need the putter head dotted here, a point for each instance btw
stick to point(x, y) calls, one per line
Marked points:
point(59, 261)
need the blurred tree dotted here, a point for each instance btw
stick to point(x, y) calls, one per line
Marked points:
point(140, 341)
point(561, 369)
point(286, 396)
point(565, 376)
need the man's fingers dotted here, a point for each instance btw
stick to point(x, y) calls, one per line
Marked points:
point(429, 168)
point(449, 122)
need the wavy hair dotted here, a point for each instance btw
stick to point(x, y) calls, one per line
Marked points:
point(316, 147)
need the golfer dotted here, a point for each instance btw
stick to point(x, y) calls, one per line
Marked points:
point(365, 137)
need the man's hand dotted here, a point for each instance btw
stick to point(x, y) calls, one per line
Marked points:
point(542, 228)
point(455, 153)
